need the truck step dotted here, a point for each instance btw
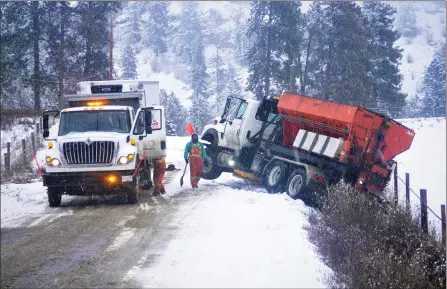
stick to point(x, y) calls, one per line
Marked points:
point(246, 176)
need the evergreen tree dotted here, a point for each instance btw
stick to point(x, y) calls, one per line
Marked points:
point(94, 34)
point(435, 82)
point(219, 79)
point(59, 43)
point(406, 21)
point(233, 87)
point(188, 31)
point(132, 23)
point(129, 64)
point(176, 114)
point(340, 62)
point(384, 57)
point(15, 42)
point(273, 28)
point(157, 26)
point(200, 110)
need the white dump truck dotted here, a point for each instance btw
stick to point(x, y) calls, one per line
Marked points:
point(107, 134)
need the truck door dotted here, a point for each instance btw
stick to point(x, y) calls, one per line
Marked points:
point(233, 126)
point(150, 132)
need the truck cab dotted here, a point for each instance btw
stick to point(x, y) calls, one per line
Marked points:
point(241, 121)
point(105, 140)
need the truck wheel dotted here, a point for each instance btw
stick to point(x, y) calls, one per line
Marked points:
point(54, 197)
point(212, 170)
point(296, 184)
point(274, 177)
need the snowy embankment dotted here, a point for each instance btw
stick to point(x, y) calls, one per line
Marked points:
point(425, 161)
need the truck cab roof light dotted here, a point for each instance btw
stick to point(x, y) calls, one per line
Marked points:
point(94, 103)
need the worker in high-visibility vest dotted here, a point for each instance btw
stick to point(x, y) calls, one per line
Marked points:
point(197, 156)
point(159, 174)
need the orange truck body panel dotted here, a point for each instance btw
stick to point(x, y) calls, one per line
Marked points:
point(371, 140)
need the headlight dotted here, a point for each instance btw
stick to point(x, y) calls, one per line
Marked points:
point(231, 163)
point(55, 162)
point(126, 160)
point(123, 160)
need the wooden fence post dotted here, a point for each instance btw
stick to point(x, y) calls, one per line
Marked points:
point(407, 191)
point(33, 142)
point(24, 151)
point(7, 167)
point(424, 214)
point(443, 224)
point(396, 196)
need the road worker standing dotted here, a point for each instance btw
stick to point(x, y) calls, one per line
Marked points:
point(195, 154)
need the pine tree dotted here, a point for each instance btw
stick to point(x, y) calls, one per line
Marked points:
point(59, 42)
point(176, 114)
point(435, 82)
point(94, 26)
point(385, 57)
point(273, 29)
point(132, 23)
point(340, 58)
point(219, 79)
point(157, 26)
point(189, 28)
point(129, 64)
point(406, 21)
point(200, 110)
point(15, 42)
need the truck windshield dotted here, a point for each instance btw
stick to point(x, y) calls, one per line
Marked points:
point(94, 120)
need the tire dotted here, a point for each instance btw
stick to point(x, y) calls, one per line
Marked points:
point(54, 197)
point(274, 177)
point(296, 184)
point(132, 194)
point(212, 170)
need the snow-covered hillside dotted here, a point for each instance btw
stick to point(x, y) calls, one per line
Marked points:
point(417, 51)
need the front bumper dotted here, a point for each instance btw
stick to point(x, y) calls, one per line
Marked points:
point(85, 183)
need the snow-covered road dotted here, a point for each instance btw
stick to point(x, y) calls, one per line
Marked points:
point(225, 234)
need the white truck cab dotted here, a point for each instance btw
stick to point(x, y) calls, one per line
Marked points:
point(106, 138)
point(241, 122)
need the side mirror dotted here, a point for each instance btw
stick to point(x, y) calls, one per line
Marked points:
point(148, 121)
point(46, 121)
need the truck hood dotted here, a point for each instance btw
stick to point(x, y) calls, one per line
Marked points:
point(93, 136)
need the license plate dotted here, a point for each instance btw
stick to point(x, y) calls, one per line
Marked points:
point(127, 178)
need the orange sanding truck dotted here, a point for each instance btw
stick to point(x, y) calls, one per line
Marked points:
point(297, 144)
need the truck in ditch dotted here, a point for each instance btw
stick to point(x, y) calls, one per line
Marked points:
point(302, 145)
point(104, 140)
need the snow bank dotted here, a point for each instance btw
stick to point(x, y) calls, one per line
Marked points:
point(425, 161)
point(19, 200)
point(237, 236)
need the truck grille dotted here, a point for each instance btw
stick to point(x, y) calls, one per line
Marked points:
point(97, 152)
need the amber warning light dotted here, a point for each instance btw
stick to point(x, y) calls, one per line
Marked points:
point(95, 103)
point(111, 179)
